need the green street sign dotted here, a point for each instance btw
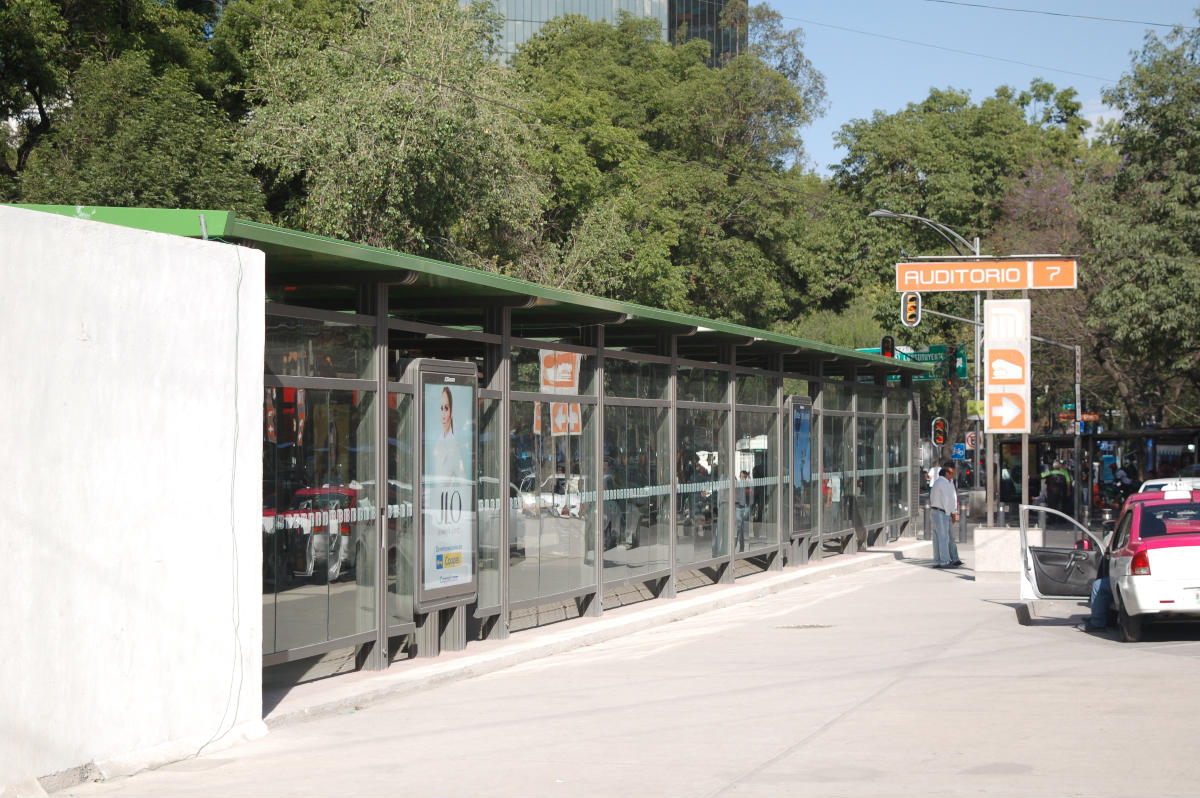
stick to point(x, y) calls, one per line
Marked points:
point(928, 354)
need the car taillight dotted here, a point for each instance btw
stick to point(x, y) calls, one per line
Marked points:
point(1140, 565)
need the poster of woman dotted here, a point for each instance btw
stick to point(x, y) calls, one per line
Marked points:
point(449, 482)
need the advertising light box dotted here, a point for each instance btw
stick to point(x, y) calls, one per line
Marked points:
point(446, 457)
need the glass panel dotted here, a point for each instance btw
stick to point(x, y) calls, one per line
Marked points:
point(835, 396)
point(870, 400)
point(556, 490)
point(318, 516)
point(635, 380)
point(756, 483)
point(553, 371)
point(897, 468)
point(401, 544)
point(803, 479)
point(637, 470)
point(701, 385)
point(793, 387)
point(868, 485)
point(701, 532)
point(755, 389)
point(492, 502)
point(304, 348)
point(837, 462)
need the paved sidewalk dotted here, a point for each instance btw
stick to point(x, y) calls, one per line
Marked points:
point(354, 691)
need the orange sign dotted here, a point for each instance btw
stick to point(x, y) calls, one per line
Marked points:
point(560, 371)
point(1006, 412)
point(1006, 367)
point(985, 275)
point(1052, 274)
point(565, 418)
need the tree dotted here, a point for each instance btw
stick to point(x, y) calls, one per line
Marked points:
point(136, 138)
point(684, 167)
point(983, 169)
point(395, 139)
point(43, 43)
point(1141, 228)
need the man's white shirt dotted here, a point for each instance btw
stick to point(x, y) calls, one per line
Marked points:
point(943, 496)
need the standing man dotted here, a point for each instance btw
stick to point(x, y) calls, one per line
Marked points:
point(943, 503)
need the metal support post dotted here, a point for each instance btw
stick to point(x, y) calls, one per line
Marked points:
point(1078, 431)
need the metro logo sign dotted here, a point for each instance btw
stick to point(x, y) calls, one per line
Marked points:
point(560, 371)
point(1006, 362)
point(996, 275)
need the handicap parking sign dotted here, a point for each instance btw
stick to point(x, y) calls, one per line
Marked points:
point(959, 452)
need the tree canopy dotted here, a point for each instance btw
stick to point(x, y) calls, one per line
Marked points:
point(604, 159)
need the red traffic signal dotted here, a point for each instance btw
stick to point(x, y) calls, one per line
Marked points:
point(939, 431)
point(887, 346)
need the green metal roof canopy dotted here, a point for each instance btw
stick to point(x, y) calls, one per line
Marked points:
point(450, 294)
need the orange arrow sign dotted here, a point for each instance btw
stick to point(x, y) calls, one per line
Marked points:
point(1006, 412)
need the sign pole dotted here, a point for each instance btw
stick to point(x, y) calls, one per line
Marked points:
point(1078, 432)
point(991, 483)
point(978, 361)
point(1025, 447)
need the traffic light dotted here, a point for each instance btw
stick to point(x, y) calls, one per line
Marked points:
point(887, 346)
point(939, 431)
point(950, 365)
point(910, 308)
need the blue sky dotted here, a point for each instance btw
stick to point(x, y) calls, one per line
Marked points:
point(865, 72)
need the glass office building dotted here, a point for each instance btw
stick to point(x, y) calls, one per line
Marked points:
point(677, 19)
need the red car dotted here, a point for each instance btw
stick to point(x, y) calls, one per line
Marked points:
point(318, 530)
point(1154, 559)
point(1153, 556)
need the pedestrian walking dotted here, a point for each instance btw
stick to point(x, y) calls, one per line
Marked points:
point(943, 503)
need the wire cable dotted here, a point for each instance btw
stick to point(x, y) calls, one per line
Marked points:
point(1060, 14)
point(954, 50)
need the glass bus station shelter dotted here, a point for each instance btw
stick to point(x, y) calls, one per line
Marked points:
point(450, 454)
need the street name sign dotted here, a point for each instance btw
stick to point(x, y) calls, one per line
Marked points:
point(1010, 274)
point(1006, 329)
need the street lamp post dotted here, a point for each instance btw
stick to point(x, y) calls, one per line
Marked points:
point(959, 244)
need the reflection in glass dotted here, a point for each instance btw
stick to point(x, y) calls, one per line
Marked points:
point(493, 501)
point(319, 500)
point(870, 399)
point(701, 385)
point(756, 389)
point(795, 387)
point(835, 396)
point(756, 482)
point(803, 477)
point(306, 348)
point(897, 468)
point(868, 491)
point(401, 545)
point(552, 371)
point(702, 532)
point(635, 379)
point(555, 478)
point(836, 472)
point(637, 491)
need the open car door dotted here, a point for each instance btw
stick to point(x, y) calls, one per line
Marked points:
point(1049, 572)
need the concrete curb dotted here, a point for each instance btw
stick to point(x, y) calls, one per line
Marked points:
point(349, 693)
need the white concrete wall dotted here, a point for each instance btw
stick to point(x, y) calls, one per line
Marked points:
point(130, 421)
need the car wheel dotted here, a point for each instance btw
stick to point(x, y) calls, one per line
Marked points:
point(1132, 626)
